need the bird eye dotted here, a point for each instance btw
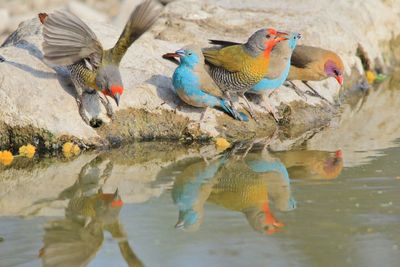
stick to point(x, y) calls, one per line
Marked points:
point(189, 54)
point(336, 72)
point(268, 36)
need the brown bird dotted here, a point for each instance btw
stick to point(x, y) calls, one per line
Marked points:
point(68, 41)
point(310, 63)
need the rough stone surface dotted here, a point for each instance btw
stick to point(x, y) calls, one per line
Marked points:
point(37, 96)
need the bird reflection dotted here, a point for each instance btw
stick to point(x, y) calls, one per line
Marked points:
point(244, 179)
point(313, 165)
point(75, 240)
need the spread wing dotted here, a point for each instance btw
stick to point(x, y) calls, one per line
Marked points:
point(230, 57)
point(67, 40)
point(141, 19)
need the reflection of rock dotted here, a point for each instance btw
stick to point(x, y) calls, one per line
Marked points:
point(41, 189)
point(370, 125)
point(51, 110)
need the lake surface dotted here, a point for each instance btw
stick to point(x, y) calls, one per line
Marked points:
point(326, 198)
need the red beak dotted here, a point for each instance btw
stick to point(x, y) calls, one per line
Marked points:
point(339, 79)
point(339, 154)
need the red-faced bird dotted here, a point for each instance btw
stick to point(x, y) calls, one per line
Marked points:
point(68, 41)
point(237, 68)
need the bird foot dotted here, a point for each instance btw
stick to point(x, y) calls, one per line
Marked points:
point(273, 111)
point(297, 90)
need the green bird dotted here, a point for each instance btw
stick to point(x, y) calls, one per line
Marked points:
point(68, 41)
point(237, 68)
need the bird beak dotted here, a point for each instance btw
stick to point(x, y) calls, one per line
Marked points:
point(281, 36)
point(339, 154)
point(170, 55)
point(339, 79)
point(116, 98)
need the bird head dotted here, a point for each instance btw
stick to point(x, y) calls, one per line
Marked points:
point(188, 56)
point(332, 165)
point(109, 81)
point(334, 67)
point(293, 39)
point(264, 40)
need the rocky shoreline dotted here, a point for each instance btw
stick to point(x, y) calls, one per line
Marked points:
point(37, 104)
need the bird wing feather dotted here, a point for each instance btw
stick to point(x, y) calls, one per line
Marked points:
point(302, 57)
point(230, 58)
point(67, 40)
point(141, 19)
point(207, 83)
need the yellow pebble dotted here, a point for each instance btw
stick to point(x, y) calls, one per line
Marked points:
point(221, 143)
point(6, 157)
point(371, 77)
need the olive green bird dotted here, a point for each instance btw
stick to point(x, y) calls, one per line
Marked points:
point(68, 41)
point(237, 68)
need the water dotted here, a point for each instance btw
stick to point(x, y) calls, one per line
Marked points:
point(196, 205)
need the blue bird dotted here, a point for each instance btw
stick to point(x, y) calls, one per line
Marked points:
point(191, 189)
point(194, 85)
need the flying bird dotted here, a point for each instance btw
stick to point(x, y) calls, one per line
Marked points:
point(68, 41)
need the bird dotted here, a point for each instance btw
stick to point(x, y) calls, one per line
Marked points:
point(237, 68)
point(68, 41)
point(194, 85)
point(311, 63)
point(248, 185)
point(312, 164)
point(278, 68)
point(192, 187)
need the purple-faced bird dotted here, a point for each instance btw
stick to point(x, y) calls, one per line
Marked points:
point(237, 68)
point(310, 63)
point(194, 85)
point(68, 41)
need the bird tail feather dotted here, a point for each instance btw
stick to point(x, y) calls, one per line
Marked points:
point(232, 111)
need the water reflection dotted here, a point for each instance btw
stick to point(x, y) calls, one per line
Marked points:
point(312, 164)
point(75, 240)
point(247, 178)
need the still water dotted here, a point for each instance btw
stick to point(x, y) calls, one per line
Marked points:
point(326, 198)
